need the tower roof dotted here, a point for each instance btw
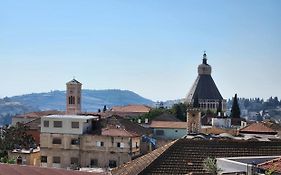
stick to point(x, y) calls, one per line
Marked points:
point(74, 81)
point(204, 87)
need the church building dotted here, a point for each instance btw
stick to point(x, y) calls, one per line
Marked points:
point(204, 90)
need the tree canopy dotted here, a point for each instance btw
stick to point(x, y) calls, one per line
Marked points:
point(235, 109)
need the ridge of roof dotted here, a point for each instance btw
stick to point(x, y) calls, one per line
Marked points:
point(257, 128)
point(136, 166)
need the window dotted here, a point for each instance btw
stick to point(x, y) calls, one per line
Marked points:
point(94, 162)
point(159, 132)
point(46, 123)
point(112, 164)
point(57, 124)
point(74, 160)
point(71, 100)
point(74, 124)
point(100, 144)
point(75, 142)
point(56, 141)
point(56, 159)
point(137, 146)
point(120, 145)
point(44, 159)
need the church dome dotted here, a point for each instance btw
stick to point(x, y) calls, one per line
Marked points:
point(204, 68)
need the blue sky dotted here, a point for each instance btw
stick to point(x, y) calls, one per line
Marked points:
point(150, 47)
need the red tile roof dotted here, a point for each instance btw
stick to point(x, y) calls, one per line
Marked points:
point(257, 128)
point(136, 166)
point(274, 165)
point(118, 132)
point(39, 114)
point(7, 169)
point(168, 124)
point(131, 108)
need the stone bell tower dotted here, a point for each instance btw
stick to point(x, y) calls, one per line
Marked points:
point(194, 118)
point(73, 97)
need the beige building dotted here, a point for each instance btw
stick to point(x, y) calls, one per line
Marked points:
point(73, 140)
point(77, 141)
point(26, 156)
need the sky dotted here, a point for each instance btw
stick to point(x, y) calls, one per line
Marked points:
point(150, 47)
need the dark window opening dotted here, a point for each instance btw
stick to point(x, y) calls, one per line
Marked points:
point(94, 162)
point(46, 123)
point(75, 142)
point(44, 159)
point(74, 124)
point(112, 164)
point(56, 159)
point(74, 160)
point(57, 124)
point(56, 141)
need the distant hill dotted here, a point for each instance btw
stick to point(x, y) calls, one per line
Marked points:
point(92, 100)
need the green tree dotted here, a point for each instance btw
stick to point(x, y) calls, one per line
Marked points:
point(235, 110)
point(210, 165)
point(179, 110)
point(14, 137)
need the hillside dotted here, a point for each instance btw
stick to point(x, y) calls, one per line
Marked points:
point(92, 100)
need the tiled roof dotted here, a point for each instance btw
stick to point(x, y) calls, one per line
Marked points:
point(133, 127)
point(274, 165)
point(7, 169)
point(34, 124)
point(39, 114)
point(117, 132)
point(257, 128)
point(186, 156)
point(168, 124)
point(136, 166)
point(131, 108)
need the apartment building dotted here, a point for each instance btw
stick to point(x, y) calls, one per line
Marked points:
point(71, 141)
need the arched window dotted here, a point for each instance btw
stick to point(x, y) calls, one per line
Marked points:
point(71, 100)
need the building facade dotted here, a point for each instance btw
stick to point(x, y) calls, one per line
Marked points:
point(72, 141)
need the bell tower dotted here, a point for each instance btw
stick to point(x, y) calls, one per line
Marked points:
point(194, 118)
point(73, 97)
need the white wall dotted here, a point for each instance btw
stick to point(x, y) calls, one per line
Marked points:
point(66, 125)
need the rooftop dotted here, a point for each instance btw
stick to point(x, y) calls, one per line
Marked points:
point(131, 108)
point(168, 124)
point(257, 128)
point(118, 132)
point(83, 117)
point(186, 156)
point(274, 165)
point(39, 114)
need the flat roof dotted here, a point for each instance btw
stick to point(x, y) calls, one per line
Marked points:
point(71, 117)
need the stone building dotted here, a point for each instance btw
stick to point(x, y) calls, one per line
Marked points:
point(205, 90)
point(77, 141)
